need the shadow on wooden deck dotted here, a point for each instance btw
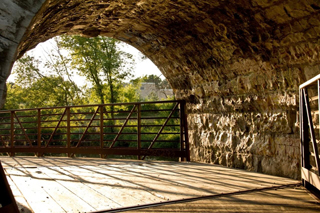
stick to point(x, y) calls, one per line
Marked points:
point(88, 185)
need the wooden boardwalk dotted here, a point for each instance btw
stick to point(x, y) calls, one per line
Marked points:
point(87, 185)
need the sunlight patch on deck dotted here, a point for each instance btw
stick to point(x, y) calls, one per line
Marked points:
point(85, 184)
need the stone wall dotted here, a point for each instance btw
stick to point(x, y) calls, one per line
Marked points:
point(238, 63)
point(15, 17)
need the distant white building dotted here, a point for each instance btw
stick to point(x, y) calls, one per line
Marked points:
point(147, 88)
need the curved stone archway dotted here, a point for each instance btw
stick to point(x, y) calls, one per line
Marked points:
point(238, 64)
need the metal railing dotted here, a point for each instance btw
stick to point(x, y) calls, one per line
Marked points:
point(138, 129)
point(309, 108)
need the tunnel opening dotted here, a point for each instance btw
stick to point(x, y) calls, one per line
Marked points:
point(103, 63)
point(84, 65)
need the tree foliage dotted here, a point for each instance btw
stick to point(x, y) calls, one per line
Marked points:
point(50, 81)
point(101, 62)
point(34, 88)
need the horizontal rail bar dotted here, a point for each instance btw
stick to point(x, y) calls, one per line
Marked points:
point(115, 126)
point(104, 151)
point(145, 141)
point(81, 113)
point(314, 98)
point(45, 115)
point(106, 119)
point(97, 140)
point(158, 110)
point(27, 116)
point(93, 105)
point(311, 81)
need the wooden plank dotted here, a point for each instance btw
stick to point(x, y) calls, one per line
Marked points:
point(167, 189)
point(96, 184)
point(143, 189)
point(57, 191)
point(38, 199)
point(65, 197)
point(287, 199)
point(311, 177)
point(78, 187)
point(22, 203)
point(189, 183)
point(121, 192)
point(215, 174)
point(113, 183)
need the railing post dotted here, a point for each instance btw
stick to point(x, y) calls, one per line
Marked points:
point(139, 129)
point(39, 131)
point(101, 130)
point(68, 131)
point(181, 115)
point(12, 133)
point(318, 88)
point(185, 129)
point(305, 152)
point(301, 129)
point(311, 129)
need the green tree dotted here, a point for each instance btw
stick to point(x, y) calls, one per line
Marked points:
point(51, 91)
point(129, 93)
point(15, 96)
point(101, 62)
point(32, 88)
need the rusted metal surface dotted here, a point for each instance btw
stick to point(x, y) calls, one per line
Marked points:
point(141, 129)
point(310, 162)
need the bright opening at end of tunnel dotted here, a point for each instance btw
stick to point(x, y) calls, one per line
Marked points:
point(74, 70)
point(143, 65)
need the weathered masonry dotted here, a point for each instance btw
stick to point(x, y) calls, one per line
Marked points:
point(237, 63)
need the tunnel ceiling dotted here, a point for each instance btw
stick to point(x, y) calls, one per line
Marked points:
point(192, 42)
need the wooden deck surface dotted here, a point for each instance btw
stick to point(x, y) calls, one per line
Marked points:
point(85, 185)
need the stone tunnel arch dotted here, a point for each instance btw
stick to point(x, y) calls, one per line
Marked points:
point(238, 64)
